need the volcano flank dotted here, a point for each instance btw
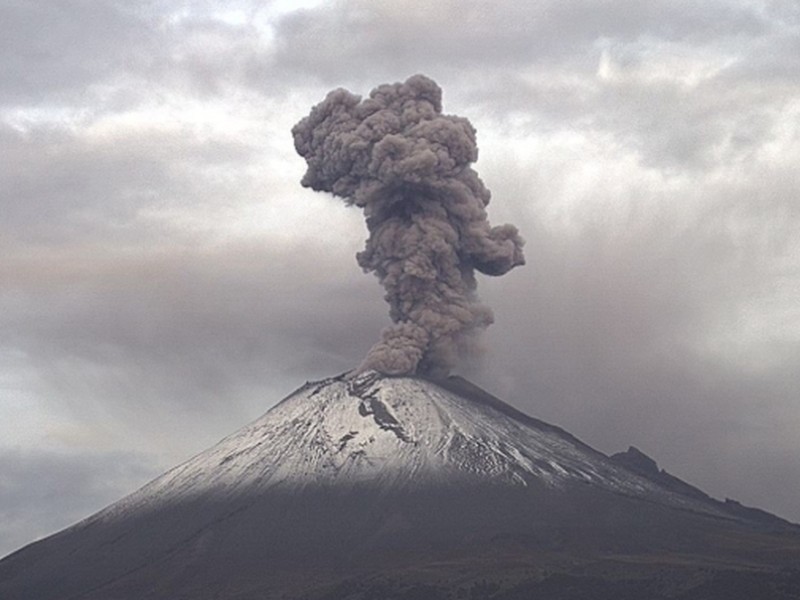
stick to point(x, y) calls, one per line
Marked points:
point(403, 487)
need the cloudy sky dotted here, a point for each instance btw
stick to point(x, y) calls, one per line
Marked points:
point(164, 278)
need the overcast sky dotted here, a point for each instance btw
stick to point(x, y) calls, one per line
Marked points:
point(164, 278)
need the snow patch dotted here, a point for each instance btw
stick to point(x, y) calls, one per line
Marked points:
point(395, 433)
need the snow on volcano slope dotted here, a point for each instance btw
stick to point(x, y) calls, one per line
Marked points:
point(373, 474)
point(394, 434)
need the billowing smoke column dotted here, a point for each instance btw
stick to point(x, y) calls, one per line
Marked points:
point(407, 165)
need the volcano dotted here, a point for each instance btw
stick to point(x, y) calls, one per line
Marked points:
point(382, 487)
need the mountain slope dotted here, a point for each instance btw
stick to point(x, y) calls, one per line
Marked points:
point(349, 479)
point(395, 434)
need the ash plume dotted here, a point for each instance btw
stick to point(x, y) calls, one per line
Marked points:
point(407, 166)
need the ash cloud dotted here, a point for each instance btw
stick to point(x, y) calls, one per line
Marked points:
point(396, 156)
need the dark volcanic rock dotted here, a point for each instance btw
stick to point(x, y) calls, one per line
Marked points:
point(638, 462)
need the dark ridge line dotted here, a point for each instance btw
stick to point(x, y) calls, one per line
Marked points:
point(466, 389)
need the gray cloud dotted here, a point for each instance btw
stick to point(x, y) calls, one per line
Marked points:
point(648, 328)
point(94, 58)
point(198, 331)
point(33, 484)
point(133, 342)
point(60, 184)
point(475, 35)
point(690, 85)
point(52, 50)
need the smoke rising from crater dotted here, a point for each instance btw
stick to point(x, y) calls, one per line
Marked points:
point(406, 164)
